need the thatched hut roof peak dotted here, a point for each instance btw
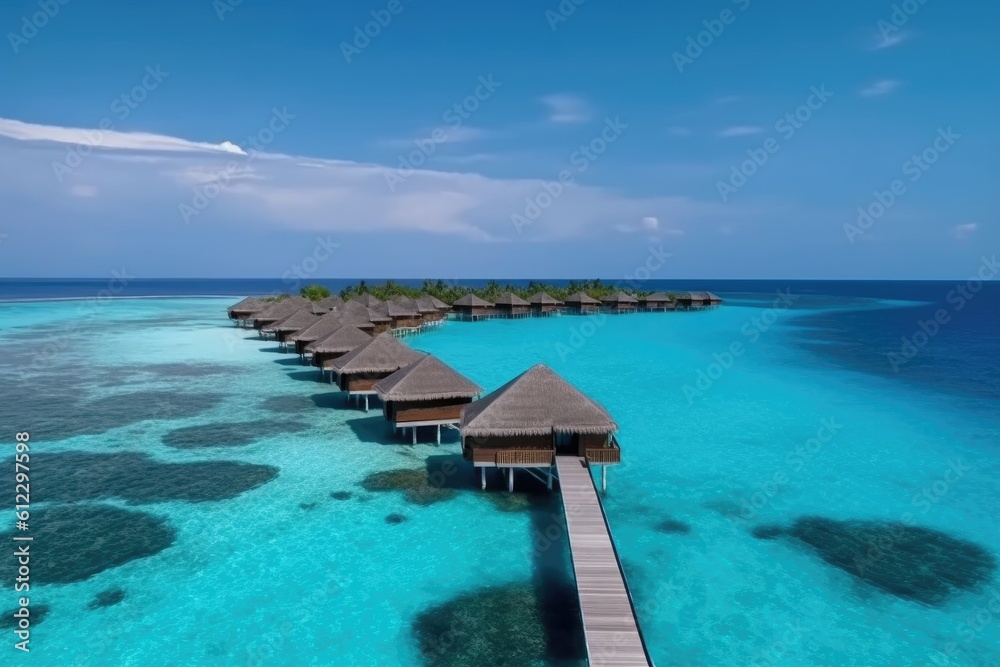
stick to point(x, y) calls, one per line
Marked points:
point(428, 379)
point(510, 299)
point(537, 402)
point(620, 297)
point(544, 299)
point(581, 298)
point(470, 300)
point(382, 354)
point(341, 340)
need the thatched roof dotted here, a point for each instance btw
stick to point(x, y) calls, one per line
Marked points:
point(359, 315)
point(425, 304)
point(249, 305)
point(330, 302)
point(341, 340)
point(656, 297)
point(300, 319)
point(428, 379)
point(382, 354)
point(544, 299)
point(279, 310)
point(367, 300)
point(581, 298)
point(537, 402)
point(510, 299)
point(439, 304)
point(699, 296)
point(319, 329)
point(620, 297)
point(402, 308)
point(470, 300)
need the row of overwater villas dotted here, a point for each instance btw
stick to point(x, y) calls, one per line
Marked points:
point(524, 424)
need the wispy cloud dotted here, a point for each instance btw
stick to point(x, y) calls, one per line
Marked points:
point(443, 135)
point(649, 225)
point(679, 131)
point(564, 108)
point(887, 40)
point(286, 192)
point(109, 139)
point(963, 232)
point(740, 131)
point(879, 88)
point(727, 99)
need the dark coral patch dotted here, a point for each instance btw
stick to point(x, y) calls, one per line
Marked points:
point(137, 478)
point(307, 506)
point(395, 519)
point(767, 532)
point(415, 485)
point(911, 562)
point(36, 614)
point(340, 495)
point(178, 370)
point(289, 404)
point(502, 626)
point(108, 598)
point(673, 527)
point(73, 543)
point(229, 434)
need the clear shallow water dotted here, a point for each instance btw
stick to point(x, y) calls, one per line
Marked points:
point(348, 585)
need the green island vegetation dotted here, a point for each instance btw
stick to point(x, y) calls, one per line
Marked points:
point(490, 292)
point(314, 292)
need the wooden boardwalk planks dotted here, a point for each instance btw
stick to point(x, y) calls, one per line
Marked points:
point(612, 632)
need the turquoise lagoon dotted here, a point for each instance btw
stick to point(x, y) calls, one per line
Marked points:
point(289, 560)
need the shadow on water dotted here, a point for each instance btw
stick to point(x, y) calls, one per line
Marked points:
point(305, 375)
point(290, 361)
point(138, 479)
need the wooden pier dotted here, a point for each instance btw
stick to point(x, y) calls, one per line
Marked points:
point(609, 623)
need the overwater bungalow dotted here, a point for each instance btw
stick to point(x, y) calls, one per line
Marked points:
point(334, 345)
point(697, 300)
point(620, 302)
point(362, 317)
point(297, 321)
point(367, 300)
point(426, 393)
point(380, 318)
point(471, 308)
point(657, 302)
point(510, 305)
point(278, 310)
point(318, 330)
point(581, 303)
point(242, 312)
point(330, 302)
point(530, 421)
point(429, 311)
point(443, 307)
point(404, 313)
point(544, 304)
point(359, 370)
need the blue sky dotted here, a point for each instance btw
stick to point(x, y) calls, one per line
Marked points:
point(517, 139)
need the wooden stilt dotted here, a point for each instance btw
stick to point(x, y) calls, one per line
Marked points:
point(414, 429)
point(604, 478)
point(548, 483)
point(366, 402)
point(510, 480)
point(482, 476)
point(439, 434)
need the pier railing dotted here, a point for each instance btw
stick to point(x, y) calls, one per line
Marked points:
point(524, 457)
point(610, 455)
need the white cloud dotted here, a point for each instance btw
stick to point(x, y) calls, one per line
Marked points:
point(650, 225)
point(879, 88)
point(887, 41)
point(269, 190)
point(740, 131)
point(569, 109)
point(83, 191)
point(679, 131)
point(963, 232)
point(110, 139)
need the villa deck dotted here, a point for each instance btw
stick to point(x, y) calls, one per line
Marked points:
point(609, 623)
